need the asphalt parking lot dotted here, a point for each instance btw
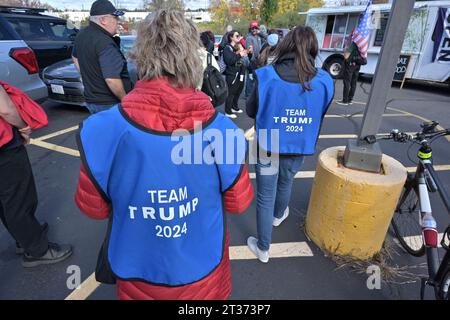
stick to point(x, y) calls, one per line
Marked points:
point(302, 273)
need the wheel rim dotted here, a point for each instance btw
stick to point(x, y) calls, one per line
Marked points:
point(335, 69)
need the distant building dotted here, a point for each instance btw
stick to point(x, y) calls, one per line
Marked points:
point(130, 16)
point(198, 16)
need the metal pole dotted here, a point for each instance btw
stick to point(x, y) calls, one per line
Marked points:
point(396, 29)
point(359, 154)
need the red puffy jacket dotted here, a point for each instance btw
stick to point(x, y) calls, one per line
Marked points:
point(30, 112)
point(159, 106)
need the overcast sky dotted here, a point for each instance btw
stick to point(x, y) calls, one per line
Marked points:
point(128, 4)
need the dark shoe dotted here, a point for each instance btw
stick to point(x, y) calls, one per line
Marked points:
point(342, 102)
point(54, 254)
point(20, 250)
point(350, 102)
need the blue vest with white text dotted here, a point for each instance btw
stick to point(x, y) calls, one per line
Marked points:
point(165, 191)
point(289, 118)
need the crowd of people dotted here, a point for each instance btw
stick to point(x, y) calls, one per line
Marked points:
point(166, 236)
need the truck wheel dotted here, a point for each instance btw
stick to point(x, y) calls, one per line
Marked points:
point(335, 67)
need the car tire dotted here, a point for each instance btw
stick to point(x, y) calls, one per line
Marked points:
point(335, 67)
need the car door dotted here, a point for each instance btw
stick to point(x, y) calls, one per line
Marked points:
point(39, 35)
point(60, 33)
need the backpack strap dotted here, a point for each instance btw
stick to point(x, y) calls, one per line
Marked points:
point(208, 58)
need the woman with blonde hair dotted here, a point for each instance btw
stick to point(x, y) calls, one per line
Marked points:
point(166, 238)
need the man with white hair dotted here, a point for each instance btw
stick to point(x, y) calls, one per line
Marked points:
point(97, 56)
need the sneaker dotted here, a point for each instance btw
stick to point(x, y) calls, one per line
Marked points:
point(342, 102)
point(236, 110)
point(262, 255)
point(54, 254)
point(278, 221)
point(350, 102)
point(232, 116)
point(20, 250)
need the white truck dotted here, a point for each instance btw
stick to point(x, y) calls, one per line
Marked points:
point(426, 47)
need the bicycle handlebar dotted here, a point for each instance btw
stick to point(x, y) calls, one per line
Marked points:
point(427, 133)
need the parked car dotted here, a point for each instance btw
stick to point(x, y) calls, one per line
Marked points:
point(18, 65)
point(51, 38)
point(64, 81)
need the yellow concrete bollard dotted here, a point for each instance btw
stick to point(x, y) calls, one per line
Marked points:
point(350, 210)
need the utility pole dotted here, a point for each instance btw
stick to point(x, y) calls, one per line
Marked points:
point(360, 154)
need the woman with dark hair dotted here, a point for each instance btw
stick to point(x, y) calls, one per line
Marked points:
point(288, 103)
point(234, 73)
point(167, 237)
point(205, 38)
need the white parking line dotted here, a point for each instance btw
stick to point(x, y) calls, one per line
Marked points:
point(249, 135)
point(420, 118)
point(277, 250)
point(299, 175)
point(311, 174)
point(415, 241)
point(406, 113)
point(57, 133)
point(85, 289)
point(362, 115)
point(55, 147)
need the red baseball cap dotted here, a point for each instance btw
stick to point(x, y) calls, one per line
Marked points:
point(254, 24)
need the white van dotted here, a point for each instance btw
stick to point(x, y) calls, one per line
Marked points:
point(334, 24)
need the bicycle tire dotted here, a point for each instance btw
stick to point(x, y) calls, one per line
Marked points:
point(445, 286)
point(406, 223)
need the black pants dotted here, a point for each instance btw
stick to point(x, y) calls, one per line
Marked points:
point(350, 77)
point(18, 201)
point(235, 86)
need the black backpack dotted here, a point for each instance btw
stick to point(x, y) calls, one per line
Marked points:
point(214, 84)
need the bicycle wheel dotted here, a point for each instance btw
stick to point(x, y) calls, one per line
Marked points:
point(444, 290)
point(406, 223)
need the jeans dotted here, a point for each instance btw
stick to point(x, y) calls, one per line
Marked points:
point(94, 108)
point(273, 194)
point(249, 84)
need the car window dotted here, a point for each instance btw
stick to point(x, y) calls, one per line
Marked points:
point(29, 29)
point(59, 31)
point(4, 34)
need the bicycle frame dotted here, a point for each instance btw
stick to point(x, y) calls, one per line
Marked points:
point(436, 268)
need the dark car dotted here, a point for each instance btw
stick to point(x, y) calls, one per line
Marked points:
point(64, 82)
point(18, 65)
point(51, 38)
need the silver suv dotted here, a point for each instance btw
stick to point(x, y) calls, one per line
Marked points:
point(18, 64)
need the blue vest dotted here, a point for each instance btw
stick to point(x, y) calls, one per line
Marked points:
point(289, 118)
point(165, 192)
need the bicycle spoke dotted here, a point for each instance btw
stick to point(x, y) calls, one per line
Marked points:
point(407, 227)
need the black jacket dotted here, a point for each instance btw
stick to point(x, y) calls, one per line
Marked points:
point(232, 60)
point(355, 59)
point(89, 43)
point(285, 68)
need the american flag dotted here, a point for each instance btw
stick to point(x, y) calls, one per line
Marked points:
point(360, 35)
